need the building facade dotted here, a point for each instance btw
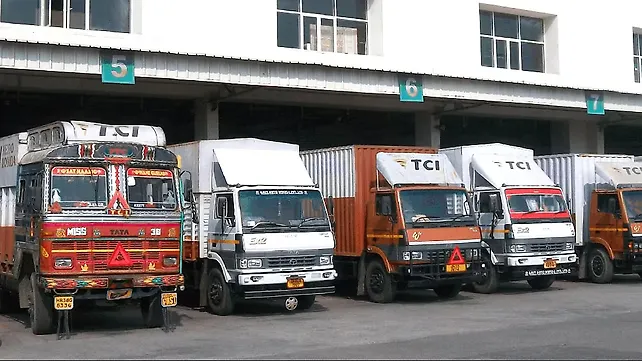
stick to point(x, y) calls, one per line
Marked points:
point(456, 72)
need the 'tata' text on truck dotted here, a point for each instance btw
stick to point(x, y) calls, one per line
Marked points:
point(402, 219)
point(605, 195)
point(526, 226)
point(264, 232)
point(89, 213)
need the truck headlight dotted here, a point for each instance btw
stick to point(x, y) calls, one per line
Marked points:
point(515, 248)
point(254, 263)
point(415, 255)
point(63, 263)
point(325, 260)
point(570, 246)
point(170, 261)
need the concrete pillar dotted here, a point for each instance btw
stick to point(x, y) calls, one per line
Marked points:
point(427, 130)
point(577, 136)
point(206, 124)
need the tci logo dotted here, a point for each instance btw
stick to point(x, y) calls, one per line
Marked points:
point(425, 164)
point(515, 165)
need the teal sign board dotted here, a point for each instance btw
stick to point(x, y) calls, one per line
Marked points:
point(411, 88)
point(117, 67)
point(594, 102)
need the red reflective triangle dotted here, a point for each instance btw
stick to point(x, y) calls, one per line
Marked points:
point(120, 258)
point(456, 257)
point(118, 197)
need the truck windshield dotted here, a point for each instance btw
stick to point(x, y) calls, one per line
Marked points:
point(421, 207)
point(537, 204)
point(151, 188)
point(78, 187)
point(282, 210)
point(633, 204)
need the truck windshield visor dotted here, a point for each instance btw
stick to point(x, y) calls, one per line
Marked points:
point(78, 187)
point(151, 189)
point(633, 204)
point(283, 210)
point(537, 204)
point(426, 206)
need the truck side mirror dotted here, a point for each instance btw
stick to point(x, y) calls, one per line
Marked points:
point(221, 207)
point(495, 206)
point(330, 206)
point(386, 206)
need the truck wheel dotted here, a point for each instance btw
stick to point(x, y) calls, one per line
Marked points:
point(41, 310)
point(542, 282)
point(219, 295)
point(600, 266)
point(305, 302)
point(448, 291)
point(490, 282)
point(152, 311)
point(380, 286)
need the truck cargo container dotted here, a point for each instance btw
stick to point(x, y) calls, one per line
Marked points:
point(402, 219)
point(526, 227)
point(605, 197)
point(89, 212)
point(258, 227)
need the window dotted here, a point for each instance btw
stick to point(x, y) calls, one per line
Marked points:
point(484, 201)
point(323, 25)
point(107, 15)
point(608, 203)
point(637, 56)
point(511, 41)
point(151, 189)
point(78, 187)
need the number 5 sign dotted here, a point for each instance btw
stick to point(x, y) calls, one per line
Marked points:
point(411, 88)
point(117, 67)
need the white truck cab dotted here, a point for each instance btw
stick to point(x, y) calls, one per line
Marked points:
point(526, 225)
point(259, 227)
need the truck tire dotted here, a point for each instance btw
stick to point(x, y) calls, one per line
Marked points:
point(152, 311)
point(541, 283)
point(219, 294)
point(41, 310)
point(448, 291)
point(490, 282)
point(305, 302)
point(380, 286)
point(600, 266)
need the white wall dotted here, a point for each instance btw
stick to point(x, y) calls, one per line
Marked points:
point(588, 45)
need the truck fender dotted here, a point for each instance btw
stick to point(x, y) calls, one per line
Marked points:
point(597, 241)
point(382, 255)
point(213, 256)
point(486, 247)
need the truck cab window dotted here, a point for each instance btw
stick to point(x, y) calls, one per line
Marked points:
point(603, 201)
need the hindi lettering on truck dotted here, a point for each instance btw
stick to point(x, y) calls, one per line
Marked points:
point(526, 226)
point(257, 228)
point(89, 213)
point(604, 192)
point(402, 219)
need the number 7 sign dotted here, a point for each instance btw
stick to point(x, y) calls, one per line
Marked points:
point(594, 102)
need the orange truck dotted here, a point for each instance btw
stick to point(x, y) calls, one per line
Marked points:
point(402, 219)
point(89, 213)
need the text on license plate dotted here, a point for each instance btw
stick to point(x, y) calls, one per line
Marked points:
point(295, 283)
point(453, 268)
point(169, 299)
point(63, 303)
point(550, 263)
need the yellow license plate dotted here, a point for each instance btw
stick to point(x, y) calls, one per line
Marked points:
point(454, 268)
point(120, 294)
point(295, 283)
point(63, 303)
point(169, 299)
point(550, 263)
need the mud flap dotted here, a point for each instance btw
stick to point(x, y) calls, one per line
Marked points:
point(361, 275)
point(202, 288)
point(583, 266)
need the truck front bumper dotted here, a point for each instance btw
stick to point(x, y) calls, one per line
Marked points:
point(525, 267)
point(430, 275)
point(271, 285)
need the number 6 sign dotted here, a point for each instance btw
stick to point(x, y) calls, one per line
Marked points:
point(411, 88)
point(117, 67)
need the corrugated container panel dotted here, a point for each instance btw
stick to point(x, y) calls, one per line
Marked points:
point(575, 174)
point(348, 173)
point(198, 232)
point(7, 222)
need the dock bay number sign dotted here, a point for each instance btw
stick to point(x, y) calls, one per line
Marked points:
point(411, 88)
point(117, 67)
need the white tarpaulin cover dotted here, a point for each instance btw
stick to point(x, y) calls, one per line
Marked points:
point(617, 174)
point(249, 161)
point(500, 170)
point(416, 168)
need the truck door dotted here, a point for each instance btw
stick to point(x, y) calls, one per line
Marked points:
point(491, 227)
point(379, 220)
point(223, 227)
point(608, 224)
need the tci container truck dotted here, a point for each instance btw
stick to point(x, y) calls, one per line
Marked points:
point(605, 196)
point(402, 219)
point(526, 226)
point(262, 229)
point(89, 212)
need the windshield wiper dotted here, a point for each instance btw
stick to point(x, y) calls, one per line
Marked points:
point(637, 216)
point(458, 216)
point(426, 217)
point(310, 220)
point(267, 223)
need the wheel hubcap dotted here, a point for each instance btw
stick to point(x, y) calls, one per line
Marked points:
point(216, 292)
point(598, 265)
point(377, 281)
point(291, 303)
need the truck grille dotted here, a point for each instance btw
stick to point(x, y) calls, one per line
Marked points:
point(548, 247)
point(296, 261)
